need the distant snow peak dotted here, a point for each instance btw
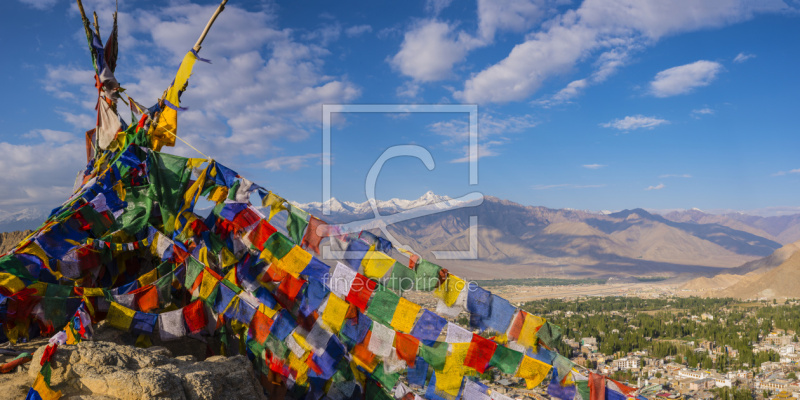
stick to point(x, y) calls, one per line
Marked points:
point(391, 205)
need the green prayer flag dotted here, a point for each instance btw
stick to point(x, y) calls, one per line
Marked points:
point(98, 223)
point(137, 214)
point(434, 355)
point(549, 334)
point(47, 372)
point(427, 275)
point(401, 278)
point(276, 347)
point(296, 223)
point(376, 392)
point(382, 305)
point(387, 380)
point(11, 264)
point(279, 245)
point(583, 389)
point(165, 268)
point(193, 270)
point(169, 178)
point(506, 360)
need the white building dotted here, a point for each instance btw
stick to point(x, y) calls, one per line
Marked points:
point(626, 363)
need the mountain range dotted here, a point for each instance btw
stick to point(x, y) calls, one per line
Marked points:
point(533, 241)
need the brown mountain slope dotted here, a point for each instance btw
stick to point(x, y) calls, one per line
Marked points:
point(517, 241)
point(745, 279)
point(782, 229)
point(782, 281)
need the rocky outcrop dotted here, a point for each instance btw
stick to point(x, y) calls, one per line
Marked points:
point(104, 370)
point(10, 239)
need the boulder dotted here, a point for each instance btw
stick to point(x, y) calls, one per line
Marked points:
point(94, 370)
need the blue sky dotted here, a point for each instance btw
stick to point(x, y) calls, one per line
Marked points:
point(599, 105)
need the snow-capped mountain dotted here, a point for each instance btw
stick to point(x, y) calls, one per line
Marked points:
point(26, 218)
point(384, 206)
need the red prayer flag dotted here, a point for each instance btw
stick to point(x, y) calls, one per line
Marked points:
point(516, 326)
point(406, 346)
point(261, 233)
point(146, 298)
point(360, 292)
point(317, 229)
point(291, 286)
point(597, 386)
point(245, 218)
point(260, 326)
point(480, 353)
point(195, 316)
point(274, 274)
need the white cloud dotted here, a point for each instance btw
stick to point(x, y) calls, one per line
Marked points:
point(792, 171)
point(675, 176)
point(682, 79)
point(697, 113)
point(493, 131)
point(633, 122)
point(265, 84)
point(489, 125)
point(510, 15)
point(409, 89)
point(656, 187)
point(436, 6)
point(357, 30)
point(430, 50)
point(594, 166)
point(291, 163)
point(79, 121)
point(40, 4)
point(616, 25)
point(567, 186)
point(41, 174)
point(485, 149)
point(325, 34)
point(742, 57)
point(51, 136)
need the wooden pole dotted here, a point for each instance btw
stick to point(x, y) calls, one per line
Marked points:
point(83, 13)
point(208, 25)
point(96, 25)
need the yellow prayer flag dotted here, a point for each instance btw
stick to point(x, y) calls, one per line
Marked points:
point(41, 288)
point(207, 285)
point(295, 261)
point(335, 312)
point(377, 264)
point(405, 315)
point(300, 366)
point(148, 278)
point(449, 380)
point(275, 204)
point(93, 292)
point(120, 316)
point(218, 195)
point(228, 258)
point(11, 282)
point(533, 370)
point(231, 276)
point(528, 337)
point(168, 121)
point(450, 290)
point(267, 311)
point(301, 341)
point(44, 391)
point(36, 251)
